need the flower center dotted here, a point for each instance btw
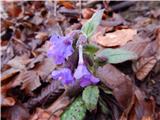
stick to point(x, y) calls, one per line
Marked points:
point(67, 42)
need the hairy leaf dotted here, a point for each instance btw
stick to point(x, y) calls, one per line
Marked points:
point(90, 26)
point(76, 111)
point(90, 97)
point(116, 55)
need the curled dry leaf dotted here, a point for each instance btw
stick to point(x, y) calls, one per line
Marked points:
point(139, 108)
point(59, 105)
point(41, 114)
point(9, 73)
point(87, 13)
point(143, 66)
point(118, 82)
point(16, 112)
point(117, 38)
point(29, 80)
point(42, 36)
point(7, 101)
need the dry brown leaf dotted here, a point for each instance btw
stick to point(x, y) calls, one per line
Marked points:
point(59, 105)
point(13, 9)
point(41, 114)
point(42, 36)
point(44, 68)
point(137, 45)
point(120, 84)
point(143, 66)
point(140, 108)
point(9, 73)
point(117, 38)
point(7, 101)
point(16, 112)
point(29, 80)
point(67, 4)
point(87, 13)
point(19, 62)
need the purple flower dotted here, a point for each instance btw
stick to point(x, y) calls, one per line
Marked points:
point(61, 48)
point(64, 75)
point(85, 77)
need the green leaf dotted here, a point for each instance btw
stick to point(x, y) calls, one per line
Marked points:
point(116, 55)
point(90, 97)
point(91, 25)
point(90, 49)
point(76, 110)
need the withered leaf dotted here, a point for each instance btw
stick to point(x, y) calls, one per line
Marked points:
point(139, 108)
point(117, 38)
point(9, 73)
point(120, 84)
point(29, 80)
point(17, 112)
point(7, 101)
point(143, 66)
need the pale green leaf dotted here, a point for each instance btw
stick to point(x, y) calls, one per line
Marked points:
point(90, 97)
point(91, 25)
point(116, 55)
point(76, 111)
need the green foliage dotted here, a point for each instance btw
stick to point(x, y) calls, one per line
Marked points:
point(91, 49)
point(90, 97)
point(91, 25)
point(116, 55)
point(76, 110)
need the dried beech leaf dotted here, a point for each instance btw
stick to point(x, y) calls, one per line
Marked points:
point(87, 13)
point(139, 108)
point(117, 38)
point(19, 61)
point(42, 36)
point(29, 80)
point(41, 114)
point(45, 67)
point(7, 101)
point(143, 66)
point(17, 112)
point(9, 73)
point(120, 84)
point(13, 9)
point(67, 4)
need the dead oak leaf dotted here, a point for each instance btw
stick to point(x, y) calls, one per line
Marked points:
point(117, 38)
point(28, 79)
point(143, 66)
point(120, 84)
point(139, 108)
point(7, 101)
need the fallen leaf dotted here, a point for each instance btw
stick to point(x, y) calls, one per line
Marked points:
point(29, 80)
point(87, 13)
point(7, 101)
point(67, 4)
point(19, 62)
point(120, 84)
point(9, 73)
point(117, 38)
point(16, 112)
point(138, 44)
point(42, 36)
point(139, 108)
point(143, 66)
point(13, 9)
point(44, 68)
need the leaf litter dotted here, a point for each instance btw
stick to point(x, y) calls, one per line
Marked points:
point(129, 37)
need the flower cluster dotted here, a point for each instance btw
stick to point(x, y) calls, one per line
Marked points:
point(61, 48)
